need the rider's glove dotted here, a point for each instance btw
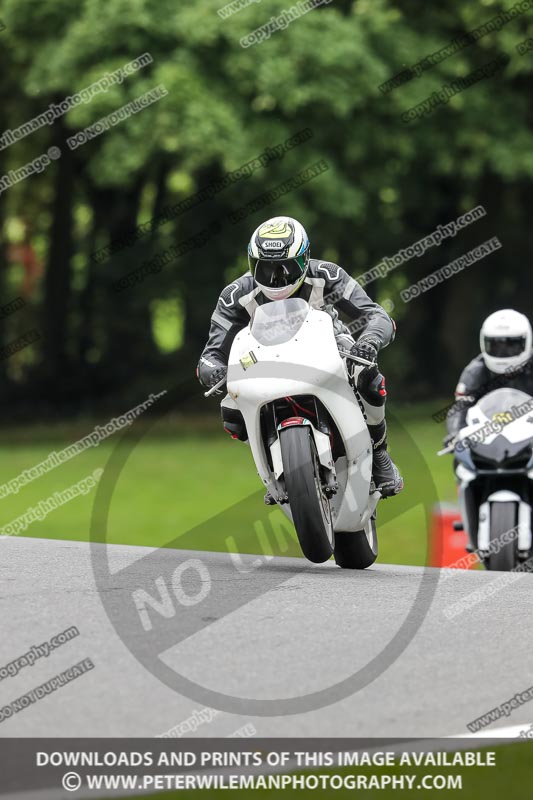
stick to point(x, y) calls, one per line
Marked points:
point(216, 376)
point(365, 348)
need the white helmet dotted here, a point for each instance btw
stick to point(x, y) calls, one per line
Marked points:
point(505, 340)
point(278, 256)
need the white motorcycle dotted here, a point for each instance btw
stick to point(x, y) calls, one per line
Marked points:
point(494, 472)
point(306, 430)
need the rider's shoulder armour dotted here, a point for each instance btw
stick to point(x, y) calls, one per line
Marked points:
point(324, 269)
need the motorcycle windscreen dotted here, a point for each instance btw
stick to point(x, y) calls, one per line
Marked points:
point(279, 321)
point(504, 405)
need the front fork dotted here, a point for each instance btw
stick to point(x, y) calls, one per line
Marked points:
point(323, 449)
point(271, 426)
point(524, 521)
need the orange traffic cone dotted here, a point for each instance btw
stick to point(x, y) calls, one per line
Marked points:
point(447, 544)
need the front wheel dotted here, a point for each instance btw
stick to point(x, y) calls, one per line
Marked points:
point(504, 557)
point(310, 508)
point(357, 550)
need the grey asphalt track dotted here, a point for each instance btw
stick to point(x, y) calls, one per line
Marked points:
point(301, 628)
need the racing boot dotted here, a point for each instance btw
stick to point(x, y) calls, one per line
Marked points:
point(385, 473)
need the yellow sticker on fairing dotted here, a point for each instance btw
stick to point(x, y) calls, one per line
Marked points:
point(502, 416)
point(248, 360)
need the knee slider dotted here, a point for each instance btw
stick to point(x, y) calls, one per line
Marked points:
point(372, 387)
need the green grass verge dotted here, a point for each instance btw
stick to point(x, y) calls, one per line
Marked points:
point(184, 473)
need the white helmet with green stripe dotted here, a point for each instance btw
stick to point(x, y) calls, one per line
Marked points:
point(278, 255)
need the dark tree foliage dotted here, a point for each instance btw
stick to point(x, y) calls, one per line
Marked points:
point(389, 183)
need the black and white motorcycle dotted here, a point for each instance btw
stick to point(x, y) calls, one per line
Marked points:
point(306, 430)
point(494, 471)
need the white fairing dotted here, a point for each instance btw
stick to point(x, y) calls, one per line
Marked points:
point(293, 352)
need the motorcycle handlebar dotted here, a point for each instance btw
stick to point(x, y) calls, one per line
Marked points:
point(359, 360)
point(445, 450)
point(215, 388)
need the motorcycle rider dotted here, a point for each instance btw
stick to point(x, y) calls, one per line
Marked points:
point(281, 267)
point(505, 361)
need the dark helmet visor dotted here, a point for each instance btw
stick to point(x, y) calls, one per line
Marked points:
point(277, 274)
point(505, 346)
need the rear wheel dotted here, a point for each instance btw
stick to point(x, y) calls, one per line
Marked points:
point(502, 520)
point(310, 508)
point(357, 550)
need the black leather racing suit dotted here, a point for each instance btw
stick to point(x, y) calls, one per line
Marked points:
point(327, 287)
point(476, 381)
